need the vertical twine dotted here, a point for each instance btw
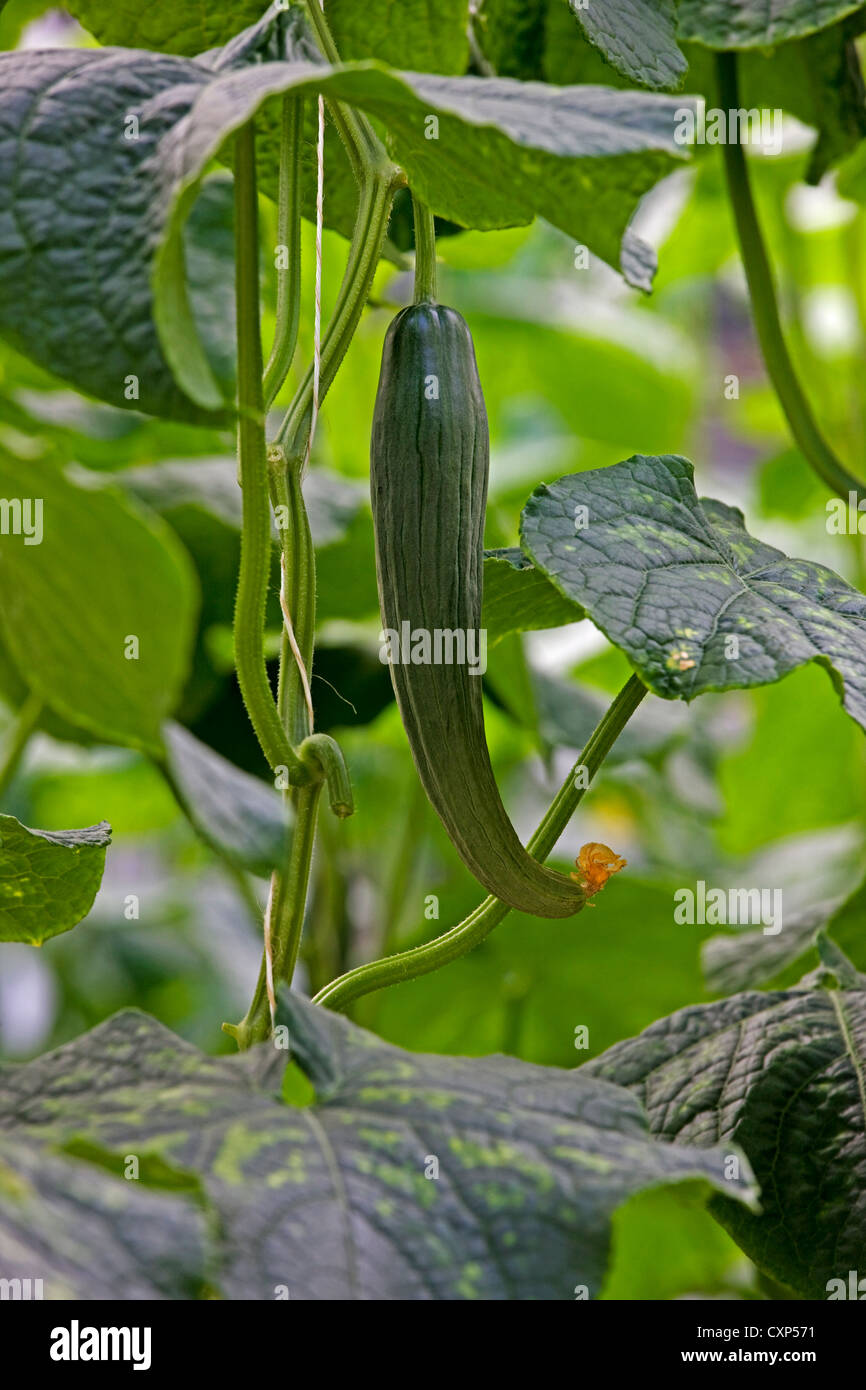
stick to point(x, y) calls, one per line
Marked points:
point(287, 617)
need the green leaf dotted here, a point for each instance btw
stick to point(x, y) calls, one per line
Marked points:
point(781, 1075)
point(518, 598)
point(756, 23)
point(75, 290)
point(48, 878)
point(425, 35)
point(104, 573)
point(239, 815)
point(581, 157)
point(184, 26)
point(86, 1234)
point(637, 36)
point(332, 1200)
point(694, 601)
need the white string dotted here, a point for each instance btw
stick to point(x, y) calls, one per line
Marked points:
point(317, 322)
point(290, 632)
point(269, 955)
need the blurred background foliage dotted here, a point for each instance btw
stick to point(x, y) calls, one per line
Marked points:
point(763, 788)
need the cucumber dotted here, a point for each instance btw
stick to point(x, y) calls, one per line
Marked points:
point(429, 468)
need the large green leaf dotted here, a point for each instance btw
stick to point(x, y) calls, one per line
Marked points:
point(75, 290)
point(85, 1233)
point(332, 1201)
point(81, 301)
point(98, 615)
point(240, 816)
point(757, 23)
point(504, 153)
point(694, 601)
point(781, 1075)
point(48, 878)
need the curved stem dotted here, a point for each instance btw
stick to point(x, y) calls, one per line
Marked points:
point(288, 237)
point(255, 562)
point(289, 901)
point(765, 309)
point(371, 224)
point(363, 146)
point(408, 965)
point(19, 736)
point(425, 253)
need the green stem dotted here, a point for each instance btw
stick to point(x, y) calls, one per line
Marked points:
point(765, 309)
point(289, 237)
point(371, 224)
point(19, 737)
point(363, 146)
point(289, 897)
point(425, 253)
point(255, 561)
point(408, 965)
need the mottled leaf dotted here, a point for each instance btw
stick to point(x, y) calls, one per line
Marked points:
point(99, 612)
point(781, 1075)
point(757, 23)
point(48, 878)
point(86, 1234)
point(239, 815)
point(332, 1201)
point(694, 601)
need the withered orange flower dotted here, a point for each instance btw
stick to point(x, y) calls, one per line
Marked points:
point(596, 863)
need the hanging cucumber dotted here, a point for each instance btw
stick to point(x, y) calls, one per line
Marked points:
point(430, 460)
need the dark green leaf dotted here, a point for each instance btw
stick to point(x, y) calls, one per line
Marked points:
point(239, 815)
point(519, 598)
point(48, 878)
point(781, 1075)
point(505, 151)
point(637, 36)
point(757, 23)
point(510, 36)
point(100, 613)
point(332, 1201)
point(694, 601)
point(75, 291)
point(86, 1234)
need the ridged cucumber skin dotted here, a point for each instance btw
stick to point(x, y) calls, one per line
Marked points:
point(429, 468)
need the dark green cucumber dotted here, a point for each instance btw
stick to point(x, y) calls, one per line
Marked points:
point(430, 461)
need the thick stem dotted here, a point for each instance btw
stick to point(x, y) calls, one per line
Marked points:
point(765, 309)
point(289, 240)
point(408, 965)
point(425, 253)
point(371, 224)
point(18, 738)
point(289, 902)
point(255, 559)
